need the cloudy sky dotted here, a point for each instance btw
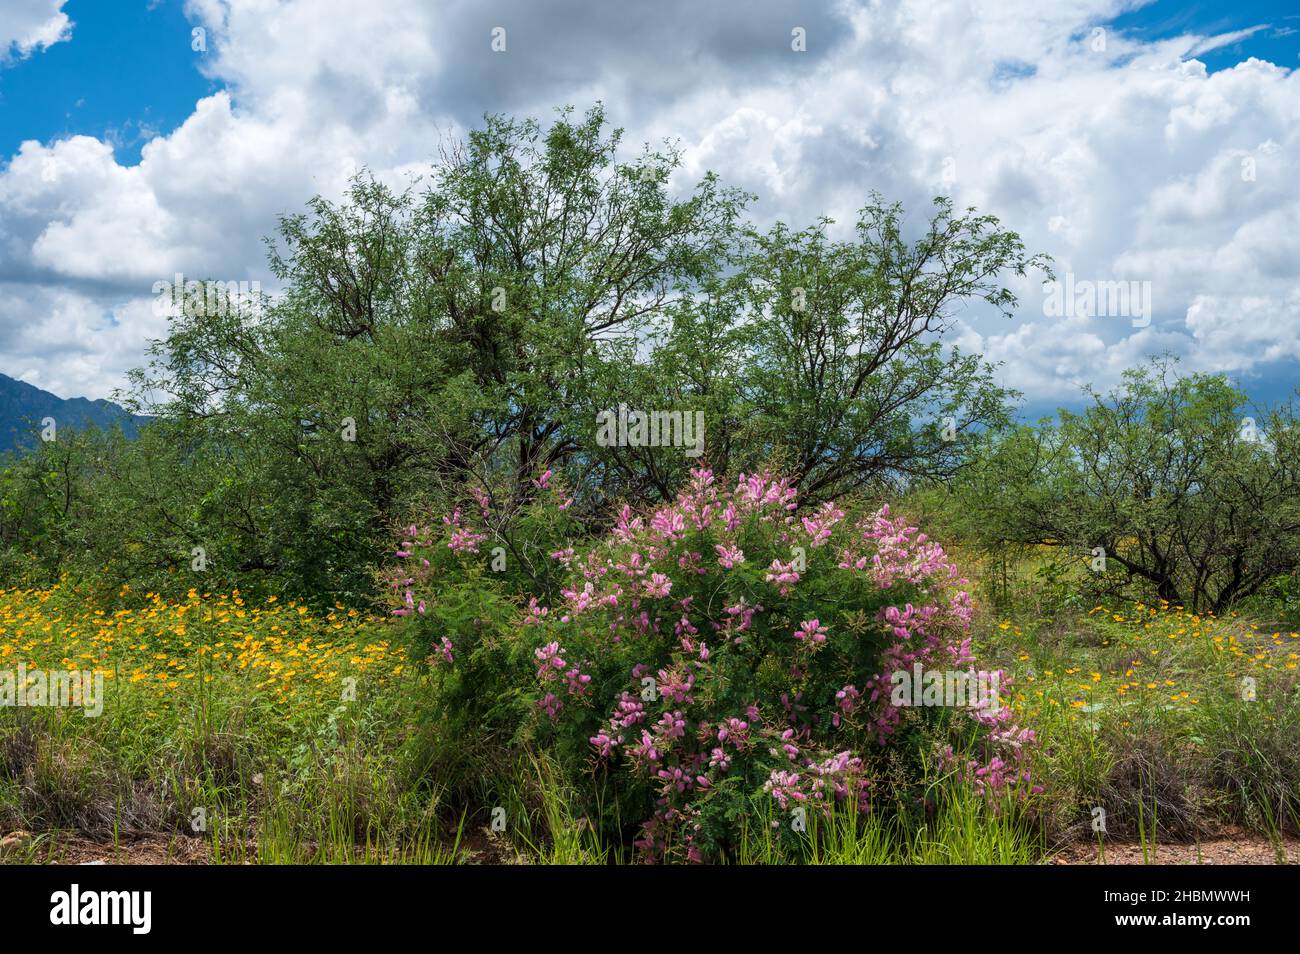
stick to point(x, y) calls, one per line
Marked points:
point(1140, 142)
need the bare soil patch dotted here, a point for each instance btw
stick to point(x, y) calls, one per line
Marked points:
point(1230, 848)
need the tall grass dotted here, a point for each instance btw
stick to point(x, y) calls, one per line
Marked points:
point(962, 829)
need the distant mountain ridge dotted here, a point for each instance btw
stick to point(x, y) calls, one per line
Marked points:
point(23, 406)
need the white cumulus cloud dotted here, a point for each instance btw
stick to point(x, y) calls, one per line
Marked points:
point(1124, 160)
point(28, 25)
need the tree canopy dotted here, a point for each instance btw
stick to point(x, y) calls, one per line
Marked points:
point(1174, 480)
point(474, 326)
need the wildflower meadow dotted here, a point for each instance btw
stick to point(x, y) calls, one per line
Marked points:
point(658, 438)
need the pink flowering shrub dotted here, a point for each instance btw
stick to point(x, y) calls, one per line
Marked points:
point(722, 658)
point(464, 573)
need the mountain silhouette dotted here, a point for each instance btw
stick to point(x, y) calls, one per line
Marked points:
point(23, 407)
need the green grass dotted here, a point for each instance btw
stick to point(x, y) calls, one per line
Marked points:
point(1141, 711)
point(963, 830)
point(1138, 710)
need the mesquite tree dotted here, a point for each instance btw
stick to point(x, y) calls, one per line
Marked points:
point(1175, 481)
point(473, 327)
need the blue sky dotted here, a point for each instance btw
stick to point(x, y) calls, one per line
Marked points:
point(122, 78)
point(1278, 43)
point(1121, 165)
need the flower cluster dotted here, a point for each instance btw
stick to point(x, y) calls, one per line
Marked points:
point(553, 669)
point(734, 647)
point(702, 716)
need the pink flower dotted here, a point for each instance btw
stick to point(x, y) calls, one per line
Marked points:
point(811, 629)
point(465, 540)
point(729, 555)
point(819, 526)
point(446, 648)
point(550, 704)
point(668, 522)
point(783, 575)
point(658, 585)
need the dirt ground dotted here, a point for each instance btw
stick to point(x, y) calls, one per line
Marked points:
point(70, 849)
point(65, 848)
point(1237, 848)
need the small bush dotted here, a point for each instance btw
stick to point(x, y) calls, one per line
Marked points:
point(715, 649)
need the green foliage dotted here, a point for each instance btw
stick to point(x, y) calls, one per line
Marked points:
point(1182, 491)
point(701, 656)
point(476, 322)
